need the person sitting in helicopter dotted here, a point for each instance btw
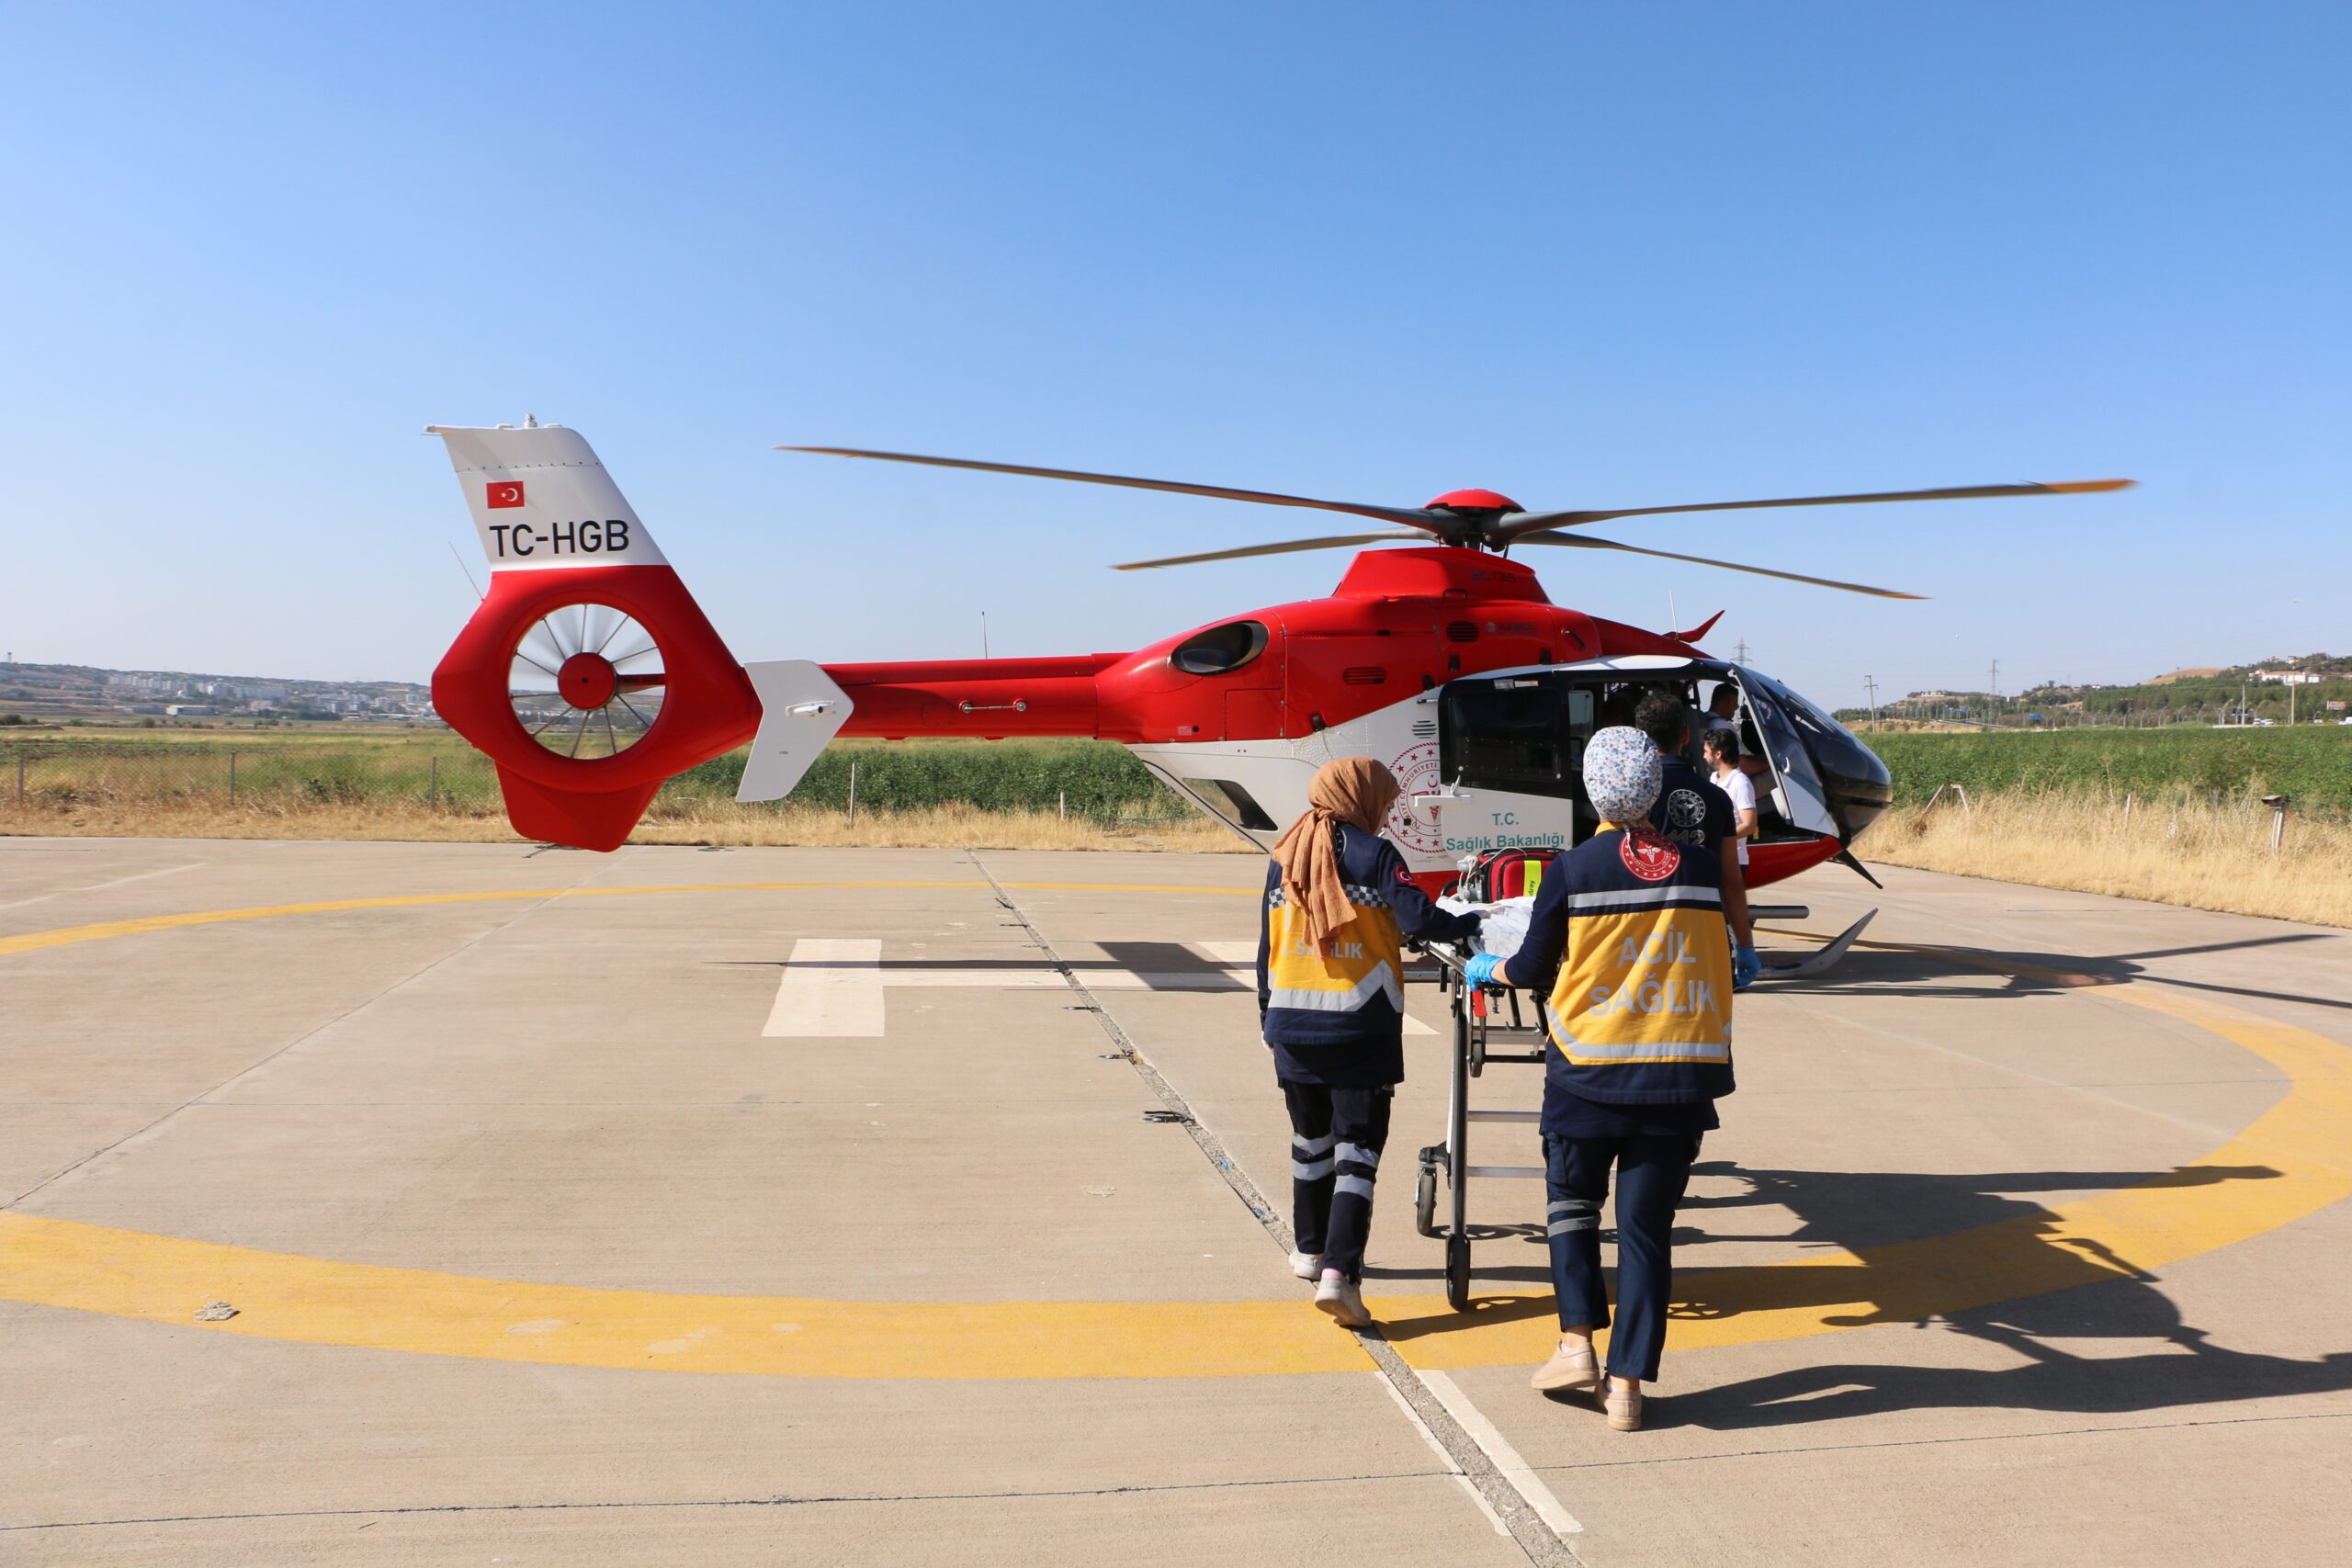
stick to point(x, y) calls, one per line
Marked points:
point(1722, 710)
point(1338, 903)
point(1627, 936)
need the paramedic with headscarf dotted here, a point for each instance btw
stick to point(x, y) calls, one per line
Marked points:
point(1627, 938)
point(1330, 993)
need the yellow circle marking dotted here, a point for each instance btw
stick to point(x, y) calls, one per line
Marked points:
point(2287, 1165)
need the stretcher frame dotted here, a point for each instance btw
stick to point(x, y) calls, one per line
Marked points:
point(1476, 1032)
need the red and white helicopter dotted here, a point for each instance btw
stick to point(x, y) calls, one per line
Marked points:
point(589, 675)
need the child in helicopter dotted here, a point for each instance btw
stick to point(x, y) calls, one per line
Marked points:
point(1339, 905)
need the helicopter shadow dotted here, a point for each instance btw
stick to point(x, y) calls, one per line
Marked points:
point(1922, 970)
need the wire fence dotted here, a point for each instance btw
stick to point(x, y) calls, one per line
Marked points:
point(1085, 779)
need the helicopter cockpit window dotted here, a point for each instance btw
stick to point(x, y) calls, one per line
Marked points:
point(1525, 736)
point(1220, 648)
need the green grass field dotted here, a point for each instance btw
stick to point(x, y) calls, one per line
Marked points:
point(2310, 765)
point(1096, 780)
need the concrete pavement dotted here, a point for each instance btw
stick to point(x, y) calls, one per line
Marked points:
point(2022, 1240)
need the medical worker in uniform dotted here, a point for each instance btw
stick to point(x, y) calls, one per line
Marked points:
point(1628, 937)
point(1338, 906)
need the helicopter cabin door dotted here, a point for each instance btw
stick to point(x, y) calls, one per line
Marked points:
point(1510, 750)
point(1797, 794)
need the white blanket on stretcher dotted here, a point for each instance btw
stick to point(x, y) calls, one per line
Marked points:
point(1501, 926)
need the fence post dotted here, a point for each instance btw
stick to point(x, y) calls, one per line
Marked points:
point(853, 794)
point(233, 778)
point(1064, 805)
point(432, 783)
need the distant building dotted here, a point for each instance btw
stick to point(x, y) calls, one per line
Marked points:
point(2287, 677)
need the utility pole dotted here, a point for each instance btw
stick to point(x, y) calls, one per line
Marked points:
point(1739, 651)
point(1871, 683)
point(1993, 691)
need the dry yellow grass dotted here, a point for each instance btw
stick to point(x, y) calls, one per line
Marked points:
point(942, 827)
point(2207, 857)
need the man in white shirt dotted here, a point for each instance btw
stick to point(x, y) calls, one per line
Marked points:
point(1722, 756)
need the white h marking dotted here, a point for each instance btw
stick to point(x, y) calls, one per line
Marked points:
point(832, 989)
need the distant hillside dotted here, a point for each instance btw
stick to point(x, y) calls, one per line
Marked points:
point(2303, 688)
point(59, 694)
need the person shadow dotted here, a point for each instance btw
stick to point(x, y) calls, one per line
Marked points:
point(2115, 1301)
point(1929, 1249)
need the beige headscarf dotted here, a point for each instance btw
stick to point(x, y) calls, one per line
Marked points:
point(1355, 790)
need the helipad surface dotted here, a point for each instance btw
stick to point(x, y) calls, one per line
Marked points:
point(773, 1205)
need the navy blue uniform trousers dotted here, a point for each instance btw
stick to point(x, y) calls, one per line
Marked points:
point(1336, 1136)
point(1651, 1171)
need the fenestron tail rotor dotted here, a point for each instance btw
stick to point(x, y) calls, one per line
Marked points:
point(586, 680)
point(1483, 520)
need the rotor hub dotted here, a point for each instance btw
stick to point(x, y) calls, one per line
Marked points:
point(1473, 502)
point(587, 680)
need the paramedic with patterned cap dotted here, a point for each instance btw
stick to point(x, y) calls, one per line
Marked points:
point(1627, 939)
point(1338, 906)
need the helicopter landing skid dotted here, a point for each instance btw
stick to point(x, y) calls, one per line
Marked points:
point(1790, 967)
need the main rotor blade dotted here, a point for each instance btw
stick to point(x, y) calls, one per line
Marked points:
point(1331, 542)
point(1586, 541)
point(1437, 522)
point(1528, 522)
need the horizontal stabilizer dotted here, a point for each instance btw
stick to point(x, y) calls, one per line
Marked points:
point(801, 709)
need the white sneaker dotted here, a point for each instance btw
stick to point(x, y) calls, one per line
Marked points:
point(1307, 1266)
point(1338, 1294)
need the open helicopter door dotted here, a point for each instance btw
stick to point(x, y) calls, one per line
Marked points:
point(1803, 805)
point(1510, 759)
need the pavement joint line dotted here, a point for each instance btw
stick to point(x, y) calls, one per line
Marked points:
point(138, 1135)
point(778, 1500)
point(102, 886)
point(1430, 1437)
point(1522, 1515)
point(1955, 1441)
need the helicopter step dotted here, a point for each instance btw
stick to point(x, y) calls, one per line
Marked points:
point(1788, 966)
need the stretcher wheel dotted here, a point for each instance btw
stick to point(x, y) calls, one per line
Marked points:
point(1425, 1202)
point(1477, 1052)
point(1457, 1272)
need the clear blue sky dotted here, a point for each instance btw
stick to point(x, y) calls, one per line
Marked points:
point(1591, 255)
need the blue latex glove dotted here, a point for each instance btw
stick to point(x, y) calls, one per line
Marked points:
point(1745, 968)
point(1480, 970)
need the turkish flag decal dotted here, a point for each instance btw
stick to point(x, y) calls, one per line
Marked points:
point(505, 493)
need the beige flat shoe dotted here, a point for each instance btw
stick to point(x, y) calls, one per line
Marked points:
point(1621, 1406)
point(1339, 1296)
point(1572, 1369)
